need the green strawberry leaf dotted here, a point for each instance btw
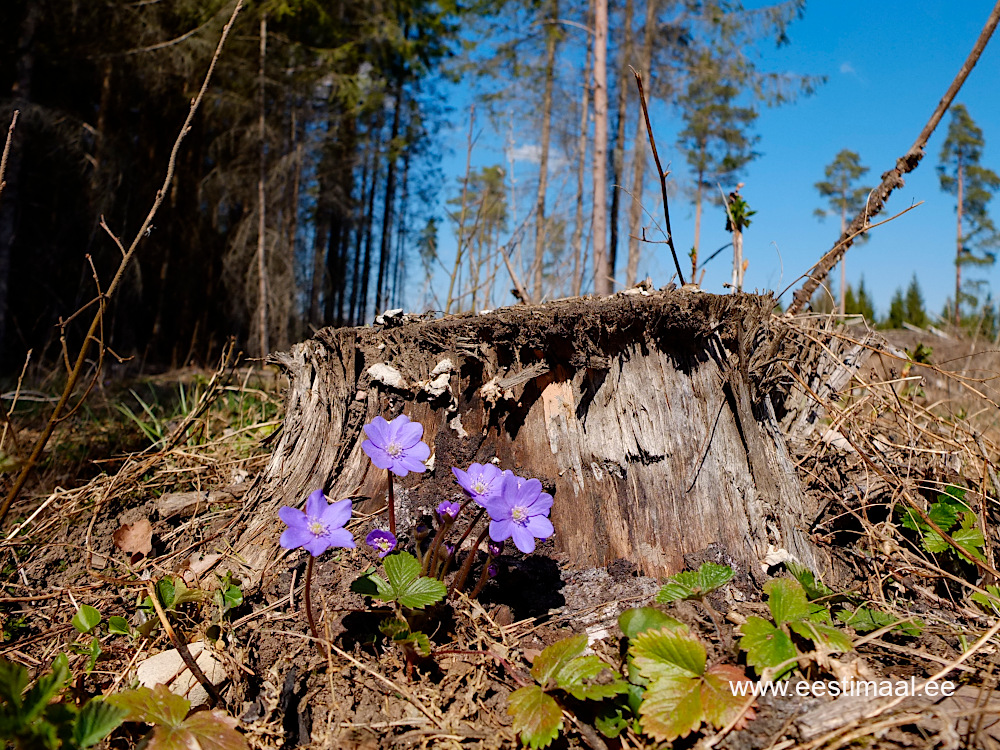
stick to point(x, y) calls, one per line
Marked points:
point(610, 719)
point(672, 707)
point(207, 730)
point(990, 601)
point(584, 678)
point(13, 681)
point(825, 635)
point(721, 700)
point(766, 645)
point(787, 600)
point(96, 721)
point(695, 584)
point(865, 620)
point(814, 588)
point(635, 621)
point(537, 717)
point(549, 663)
point(665, 654)
point(157, 706)
point(46, 688)
point(405, 584)
point(86, 619)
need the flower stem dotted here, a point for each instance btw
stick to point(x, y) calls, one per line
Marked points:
point(483, 578)
point(463, 573)
point(308, 604)
point(430, 559)
point(392, 507)
point(458, 544)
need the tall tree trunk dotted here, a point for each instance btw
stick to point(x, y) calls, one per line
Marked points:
point(581, 164)
point(698, 197)
point(362, 225)
point(843, 261)
point(602, 278)
point(369, 230)
point(618, 145)
point(958, 245)
point(551, 37)
point(389, 201)
point(11, 198)
point(262, 344)
point(640, 154)
point(397, 276)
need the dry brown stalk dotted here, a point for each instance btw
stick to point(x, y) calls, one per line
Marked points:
point(6, 148)
point(96, 324)
point(893, 179)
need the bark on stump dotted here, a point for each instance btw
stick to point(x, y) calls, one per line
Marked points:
point(648, 416)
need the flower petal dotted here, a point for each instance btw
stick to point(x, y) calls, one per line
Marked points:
point(340, 538)
point(409, 434)
point(501, 530)
point(378, 431)
point(316, 504)
point(523, 539)
point(337, 514)
point(421, 451)
point(292, 516)
point(540, 527)
point(378, 456)
point(295, 537)
point(540, 506)
point(317, 545)
point(463, 478)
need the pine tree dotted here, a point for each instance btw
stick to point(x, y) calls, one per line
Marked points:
point(973, 185)
point(914, 304)
point(897, 311)
point(840, 187)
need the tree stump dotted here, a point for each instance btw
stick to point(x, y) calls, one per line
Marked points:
point(649, 417)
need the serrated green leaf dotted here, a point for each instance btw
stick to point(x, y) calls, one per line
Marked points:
point(420, 643)
point(912, 521)
point(672, 707)
point(548, 663)
point(401, 569)
point(45, 688)
point(157, 706)
point(86, 619)
point(394, 627)
point(580, 678)
point(944, 514)
point(825, 635)
point(13, 681)
point(722, 703)
point(787, 600)
point(766, 646)
point(208, 730)
point(118, 626)
point(694, 584)
point(665, 653)
point(96, 721)
point(865, 620)
point(969, 538)
point(610, 719)
point(989, 601)
point(422, 592)
point(814, 588)
point(367, 585)
point(537, 717)
point(934, 542)
point(635, 621)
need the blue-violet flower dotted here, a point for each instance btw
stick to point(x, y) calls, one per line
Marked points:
point(319, 528)
point(396, 445)
point(381, 541)
point(448, 510)
point(481, 481)
point(521, 513)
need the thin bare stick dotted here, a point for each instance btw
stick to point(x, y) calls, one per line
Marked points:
point(660, 172)
point(894, 177)
point(6, 149)
point(97, 321)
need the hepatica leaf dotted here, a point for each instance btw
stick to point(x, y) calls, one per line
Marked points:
point(86, 619)
point(537, 717)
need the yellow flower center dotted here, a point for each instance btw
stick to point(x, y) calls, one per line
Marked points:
point(519, 515)
point(316, 527)
point(394, 449)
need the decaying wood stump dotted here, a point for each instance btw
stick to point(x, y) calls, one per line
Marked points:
point(648, 416)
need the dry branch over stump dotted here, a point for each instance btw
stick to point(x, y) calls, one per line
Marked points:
point(649, 417)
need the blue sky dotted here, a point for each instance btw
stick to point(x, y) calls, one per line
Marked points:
point(887, 66)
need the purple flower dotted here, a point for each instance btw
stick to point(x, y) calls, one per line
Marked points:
point(381, 541)
point(448, 510)
point(492, 571)
point(521, 513)
point(320, 527)
point(494, 548)
point(481, 481)
point(396, 445)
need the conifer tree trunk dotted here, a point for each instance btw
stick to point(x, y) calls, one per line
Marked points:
point(388, 200)
point(640, 154)
point(551, 36)
point(262, 343)
point(602, 271)
point(618, 144)
point(958, 245)
point(698, 197)
point(581, 164)
point(843, 261)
